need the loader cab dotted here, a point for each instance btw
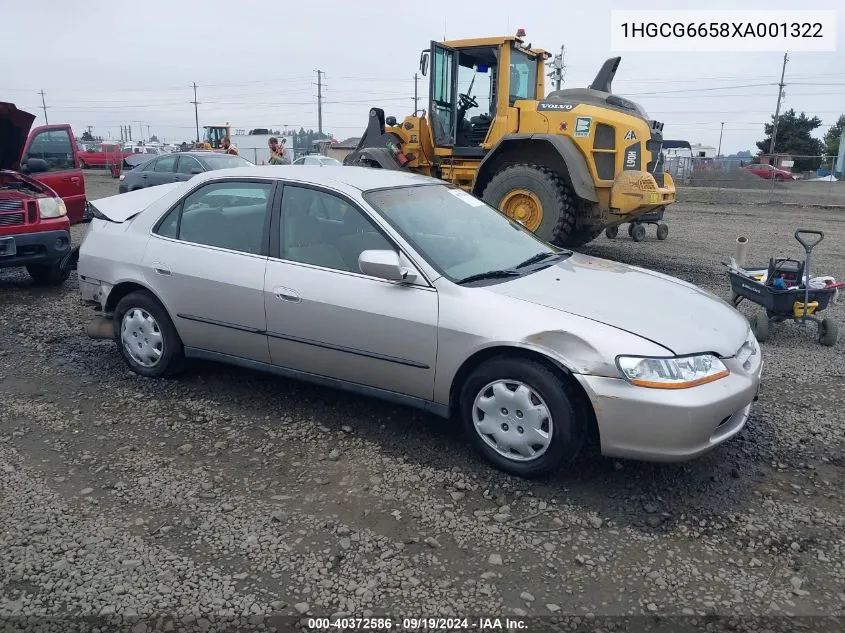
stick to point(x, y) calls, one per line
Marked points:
point(473, 80)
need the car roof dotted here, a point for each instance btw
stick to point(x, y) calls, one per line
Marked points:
point(361, 178)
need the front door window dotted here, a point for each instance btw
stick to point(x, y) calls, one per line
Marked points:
point(443, 95)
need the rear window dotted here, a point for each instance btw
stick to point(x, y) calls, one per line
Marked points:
point(225, 161)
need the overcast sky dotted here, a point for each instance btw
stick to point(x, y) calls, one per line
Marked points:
point(106, 63)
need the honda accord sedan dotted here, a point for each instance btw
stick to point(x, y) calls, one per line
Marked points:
point(404, 288)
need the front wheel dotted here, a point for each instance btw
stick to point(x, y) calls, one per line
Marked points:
point(52, 274)
point(146, 337)
point(760, 326)
point(518, 415)
point(536, 198)
point(638, 233)
point(662, 231)
point(611, 232)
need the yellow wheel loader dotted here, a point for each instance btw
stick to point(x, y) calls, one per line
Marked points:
point(566, 165)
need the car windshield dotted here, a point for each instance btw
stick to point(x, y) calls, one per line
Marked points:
point(459, 235)
point(330, 161)
point(224, 161)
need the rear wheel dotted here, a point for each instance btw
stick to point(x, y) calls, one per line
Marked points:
point(146, 337)
point(611, 232)
point(519, 416)
point(48, 274)
point(662, 231)
point(536, 198)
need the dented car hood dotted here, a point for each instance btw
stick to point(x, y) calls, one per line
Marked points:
point(14, 130)
point(675, 314)
point(125, 206)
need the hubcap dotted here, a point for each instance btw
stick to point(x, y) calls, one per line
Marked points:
point(524, 207)
point(513, 420)
point(141, 337)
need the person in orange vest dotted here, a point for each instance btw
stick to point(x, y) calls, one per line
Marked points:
point(229, 148)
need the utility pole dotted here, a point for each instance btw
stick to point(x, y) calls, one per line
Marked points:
point(320, 101)
point(416, 97)
point(719, 151)
point(196, 112)
point(44, 105)
point(558, 67)
point(777, 109)
point(140, 129)
point(148, 132)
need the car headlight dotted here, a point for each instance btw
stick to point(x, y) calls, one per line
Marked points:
point(122, 176)
point(51, 207)
point(671, 373)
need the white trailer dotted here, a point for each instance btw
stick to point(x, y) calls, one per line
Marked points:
point(253, 147)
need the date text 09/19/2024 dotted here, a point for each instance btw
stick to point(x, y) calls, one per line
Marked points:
point(416, 624)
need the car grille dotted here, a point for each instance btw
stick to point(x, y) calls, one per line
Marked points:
point(11, 205)
point(11, 219)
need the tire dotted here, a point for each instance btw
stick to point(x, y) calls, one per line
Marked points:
point(48, 274)
point(760, 326)
point(581, 237)
point(83, 164)
point(630, 230)
point(171, 359)
point(638, 233)
point(557, 200)
point(662, 231)
point(611, 232)
point(828, 332)
point(566, 430)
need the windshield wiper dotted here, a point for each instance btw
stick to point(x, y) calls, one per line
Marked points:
point(490, 274)
point(540, 257)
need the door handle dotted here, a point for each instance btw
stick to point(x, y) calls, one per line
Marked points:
point(286, 294)
point(161, 269)
point(74, 180)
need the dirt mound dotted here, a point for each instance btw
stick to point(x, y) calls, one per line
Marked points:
point(733, 179)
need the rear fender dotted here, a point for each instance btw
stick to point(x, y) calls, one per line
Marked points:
point(558, 153)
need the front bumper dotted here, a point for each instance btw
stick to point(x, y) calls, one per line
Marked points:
point(667, 425)
point(42, 247)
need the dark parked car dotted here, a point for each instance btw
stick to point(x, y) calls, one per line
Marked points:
point(176, 167)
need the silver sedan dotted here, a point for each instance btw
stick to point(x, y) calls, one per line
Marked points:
point(402, 287)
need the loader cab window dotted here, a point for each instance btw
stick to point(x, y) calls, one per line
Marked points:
point(523, 76)
point(476, 95)
point(442, 95)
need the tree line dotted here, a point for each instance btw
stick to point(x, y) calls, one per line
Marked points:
point(794, 137)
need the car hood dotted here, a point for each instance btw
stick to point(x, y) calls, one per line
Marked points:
point(670, 312)
point(14, 130)
point(35, 187)
point(125, 206)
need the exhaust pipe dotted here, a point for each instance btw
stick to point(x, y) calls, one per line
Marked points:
point(100, 328)
point(741, 249)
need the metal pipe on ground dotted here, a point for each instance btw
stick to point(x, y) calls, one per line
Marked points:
point(100, 328)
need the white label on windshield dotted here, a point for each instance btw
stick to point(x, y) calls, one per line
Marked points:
point(463, 195)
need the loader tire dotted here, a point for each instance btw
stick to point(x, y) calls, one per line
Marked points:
point(579, 237)
point(558, 203)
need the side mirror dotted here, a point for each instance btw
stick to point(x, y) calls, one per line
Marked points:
point(34, 166)
point(424, 63)
point(385, 265)
point(391, 120)
point(196, 170)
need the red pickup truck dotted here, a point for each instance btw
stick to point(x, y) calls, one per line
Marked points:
point(42, 191)
point(103, 155)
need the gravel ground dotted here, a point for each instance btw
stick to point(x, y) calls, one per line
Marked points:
point(229, 500)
